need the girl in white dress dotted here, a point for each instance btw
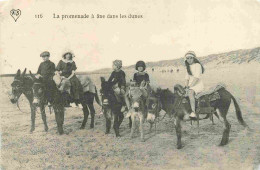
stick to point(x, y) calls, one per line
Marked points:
point(193, 84)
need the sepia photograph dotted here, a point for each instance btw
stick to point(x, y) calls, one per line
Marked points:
point(130, 84)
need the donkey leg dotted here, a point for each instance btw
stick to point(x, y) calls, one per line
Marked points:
point(32, 118)
point(86, 113)
point(108, 125)
point(225, 136)
point(151, 126)
point(92, 112)
point(178, 132)
point(58, 117)
point(116, 125)
point(142, 128)
point(108, 117)
point(133, 125)
point(42, 108)
point(121, 118)
point(130, 122)
point(212, 119)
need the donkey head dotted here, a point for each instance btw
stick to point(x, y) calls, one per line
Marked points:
point(18, 86)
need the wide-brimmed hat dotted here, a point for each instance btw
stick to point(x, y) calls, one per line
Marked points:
point(68, 52)
point(45, 53)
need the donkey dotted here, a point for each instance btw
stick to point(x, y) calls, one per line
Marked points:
point(144, 105)
point(23, 85)
point(111, 106)
point(40, 100)
point(181, 106)
point(59, 102)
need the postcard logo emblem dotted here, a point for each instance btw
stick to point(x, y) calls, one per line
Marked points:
point(15, 14)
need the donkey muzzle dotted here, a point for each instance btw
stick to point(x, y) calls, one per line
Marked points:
point(35, 101)
point(136, 105)
point(105, 102)
point(150, 117)
point(13, 99)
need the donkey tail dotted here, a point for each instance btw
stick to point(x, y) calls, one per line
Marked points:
point(97, 98)
point(238, 112)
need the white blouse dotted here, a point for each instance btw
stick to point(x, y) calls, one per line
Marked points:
point(196, 71)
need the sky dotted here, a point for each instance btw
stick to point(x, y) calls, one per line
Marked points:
point(168, 29)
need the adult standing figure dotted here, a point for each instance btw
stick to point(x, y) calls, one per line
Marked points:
point(66, 69)
point(193, 84)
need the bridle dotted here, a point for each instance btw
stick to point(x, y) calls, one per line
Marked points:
point(22, 90)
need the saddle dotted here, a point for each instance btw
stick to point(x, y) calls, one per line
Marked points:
point(65, 85)
point(204, 98)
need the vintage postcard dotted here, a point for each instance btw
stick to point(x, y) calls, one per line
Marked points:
point(130, 84)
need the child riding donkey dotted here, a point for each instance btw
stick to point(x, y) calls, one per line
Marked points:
point(66, 69)
point(140, 80)
point(46, 71)
point(117, 78)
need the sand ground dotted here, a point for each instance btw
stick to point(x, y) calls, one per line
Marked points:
point(92, 149)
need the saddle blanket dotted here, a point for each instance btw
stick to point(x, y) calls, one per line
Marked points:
point(210, 90)
point(212, 94)
point(87, 84)
point(85, 81)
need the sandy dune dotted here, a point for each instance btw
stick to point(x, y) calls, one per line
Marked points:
point(92, 149)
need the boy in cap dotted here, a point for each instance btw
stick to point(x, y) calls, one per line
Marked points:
point(46, 71)
point(117, 78)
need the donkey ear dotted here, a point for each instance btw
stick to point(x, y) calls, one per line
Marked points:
point(33, 77)
point(18, 74)
point(24, 72)
point(102, 79)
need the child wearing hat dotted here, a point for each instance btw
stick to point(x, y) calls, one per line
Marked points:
point(46, 71)
point(66, 69)
point(194, 84)
point(117, 78)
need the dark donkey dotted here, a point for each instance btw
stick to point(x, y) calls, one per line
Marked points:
point(59, 103)
point(111, 107)
point(40, 100)
point(181, 107)
point(23, 85)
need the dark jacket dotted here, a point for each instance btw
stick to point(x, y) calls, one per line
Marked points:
point(118, 77)
point(46, 69)
point(66, 68)
point(140, 76)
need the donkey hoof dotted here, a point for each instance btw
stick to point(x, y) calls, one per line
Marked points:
point(91, 126)
point(118, 136)
point(82, 127)
point(46, 129)
point(31, 131)
point(142, 140)
point(222, 144)
point(107, 133)
point(179, 146)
